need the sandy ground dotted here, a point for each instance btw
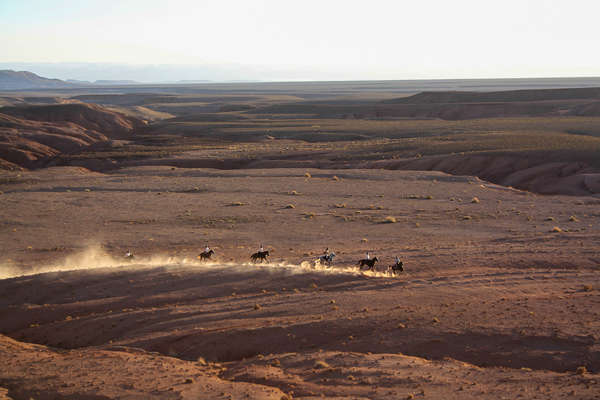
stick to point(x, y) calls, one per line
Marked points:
point(499, 298)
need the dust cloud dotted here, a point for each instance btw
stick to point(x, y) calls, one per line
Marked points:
point(95, 257)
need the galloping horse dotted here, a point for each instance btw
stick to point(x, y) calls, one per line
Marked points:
point(206, 255)
point(369, 262)
point(396, 268)
point(260, 256)
point(327, 259)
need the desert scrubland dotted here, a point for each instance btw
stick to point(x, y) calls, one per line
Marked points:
point(490, 198)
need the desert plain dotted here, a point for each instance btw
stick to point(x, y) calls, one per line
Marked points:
point(492, 203)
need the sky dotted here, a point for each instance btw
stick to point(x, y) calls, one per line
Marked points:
point(310, 40)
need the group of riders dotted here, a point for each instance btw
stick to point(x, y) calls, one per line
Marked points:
point(325, 259)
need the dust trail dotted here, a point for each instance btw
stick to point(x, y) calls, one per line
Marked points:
point(94, 257)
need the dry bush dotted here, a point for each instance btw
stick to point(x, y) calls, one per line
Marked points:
point(320, 364)
point(550, 219)
point(290, 206)
point(587, 288)
point(475, 200)
point(556, 229)
point(573, 218)
point(257, 306)
point(308, 175)
point(467, 217)
point(237, 204)
point(389, 220)
point(293, 193)
point(582, 370)
point(341, 205)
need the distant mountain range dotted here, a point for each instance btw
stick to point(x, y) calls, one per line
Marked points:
point(22, 80)
point(19, 80)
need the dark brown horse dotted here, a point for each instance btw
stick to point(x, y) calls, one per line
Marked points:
point(369, 262)
point(397, 268)
point(206, 255)
point(260, 256)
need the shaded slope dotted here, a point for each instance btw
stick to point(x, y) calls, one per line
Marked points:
point(502, 96)
point(89, 116)
point(29, 135)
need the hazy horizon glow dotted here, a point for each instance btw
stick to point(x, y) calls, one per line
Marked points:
point(267, 39)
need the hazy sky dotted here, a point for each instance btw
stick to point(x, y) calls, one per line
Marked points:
point(369, 39)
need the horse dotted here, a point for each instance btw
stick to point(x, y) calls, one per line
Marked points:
point(260, 256)
point(206, 255)
point(327, 259)
point(396, 268)
point(369, 262)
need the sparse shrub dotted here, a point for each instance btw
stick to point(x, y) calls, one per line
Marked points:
point(550, 219)
point(389, 220)
point(467, 217)
point(257, 306)
point(341, 205)
point(308, 175)
point(556, 229)
point(331, 301)
point(436, 320)
point(475, 200)
point(587, 288)
point(573, 218)
point(309, 215)
point(237, 204)
point(201, 361)
point(290, 206)
point(582, 370)
point(401, 325)
point(320, 364)
point(364, 240)
point(335, 178)
point(428, 197)
point(293, 193)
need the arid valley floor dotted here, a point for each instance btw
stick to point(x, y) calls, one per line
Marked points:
point(499, 298)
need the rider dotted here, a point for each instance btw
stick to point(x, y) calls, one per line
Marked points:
point(129, 254)
point(261, 249)
point(368, 256)
point(206, 249)
point(398, 262)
